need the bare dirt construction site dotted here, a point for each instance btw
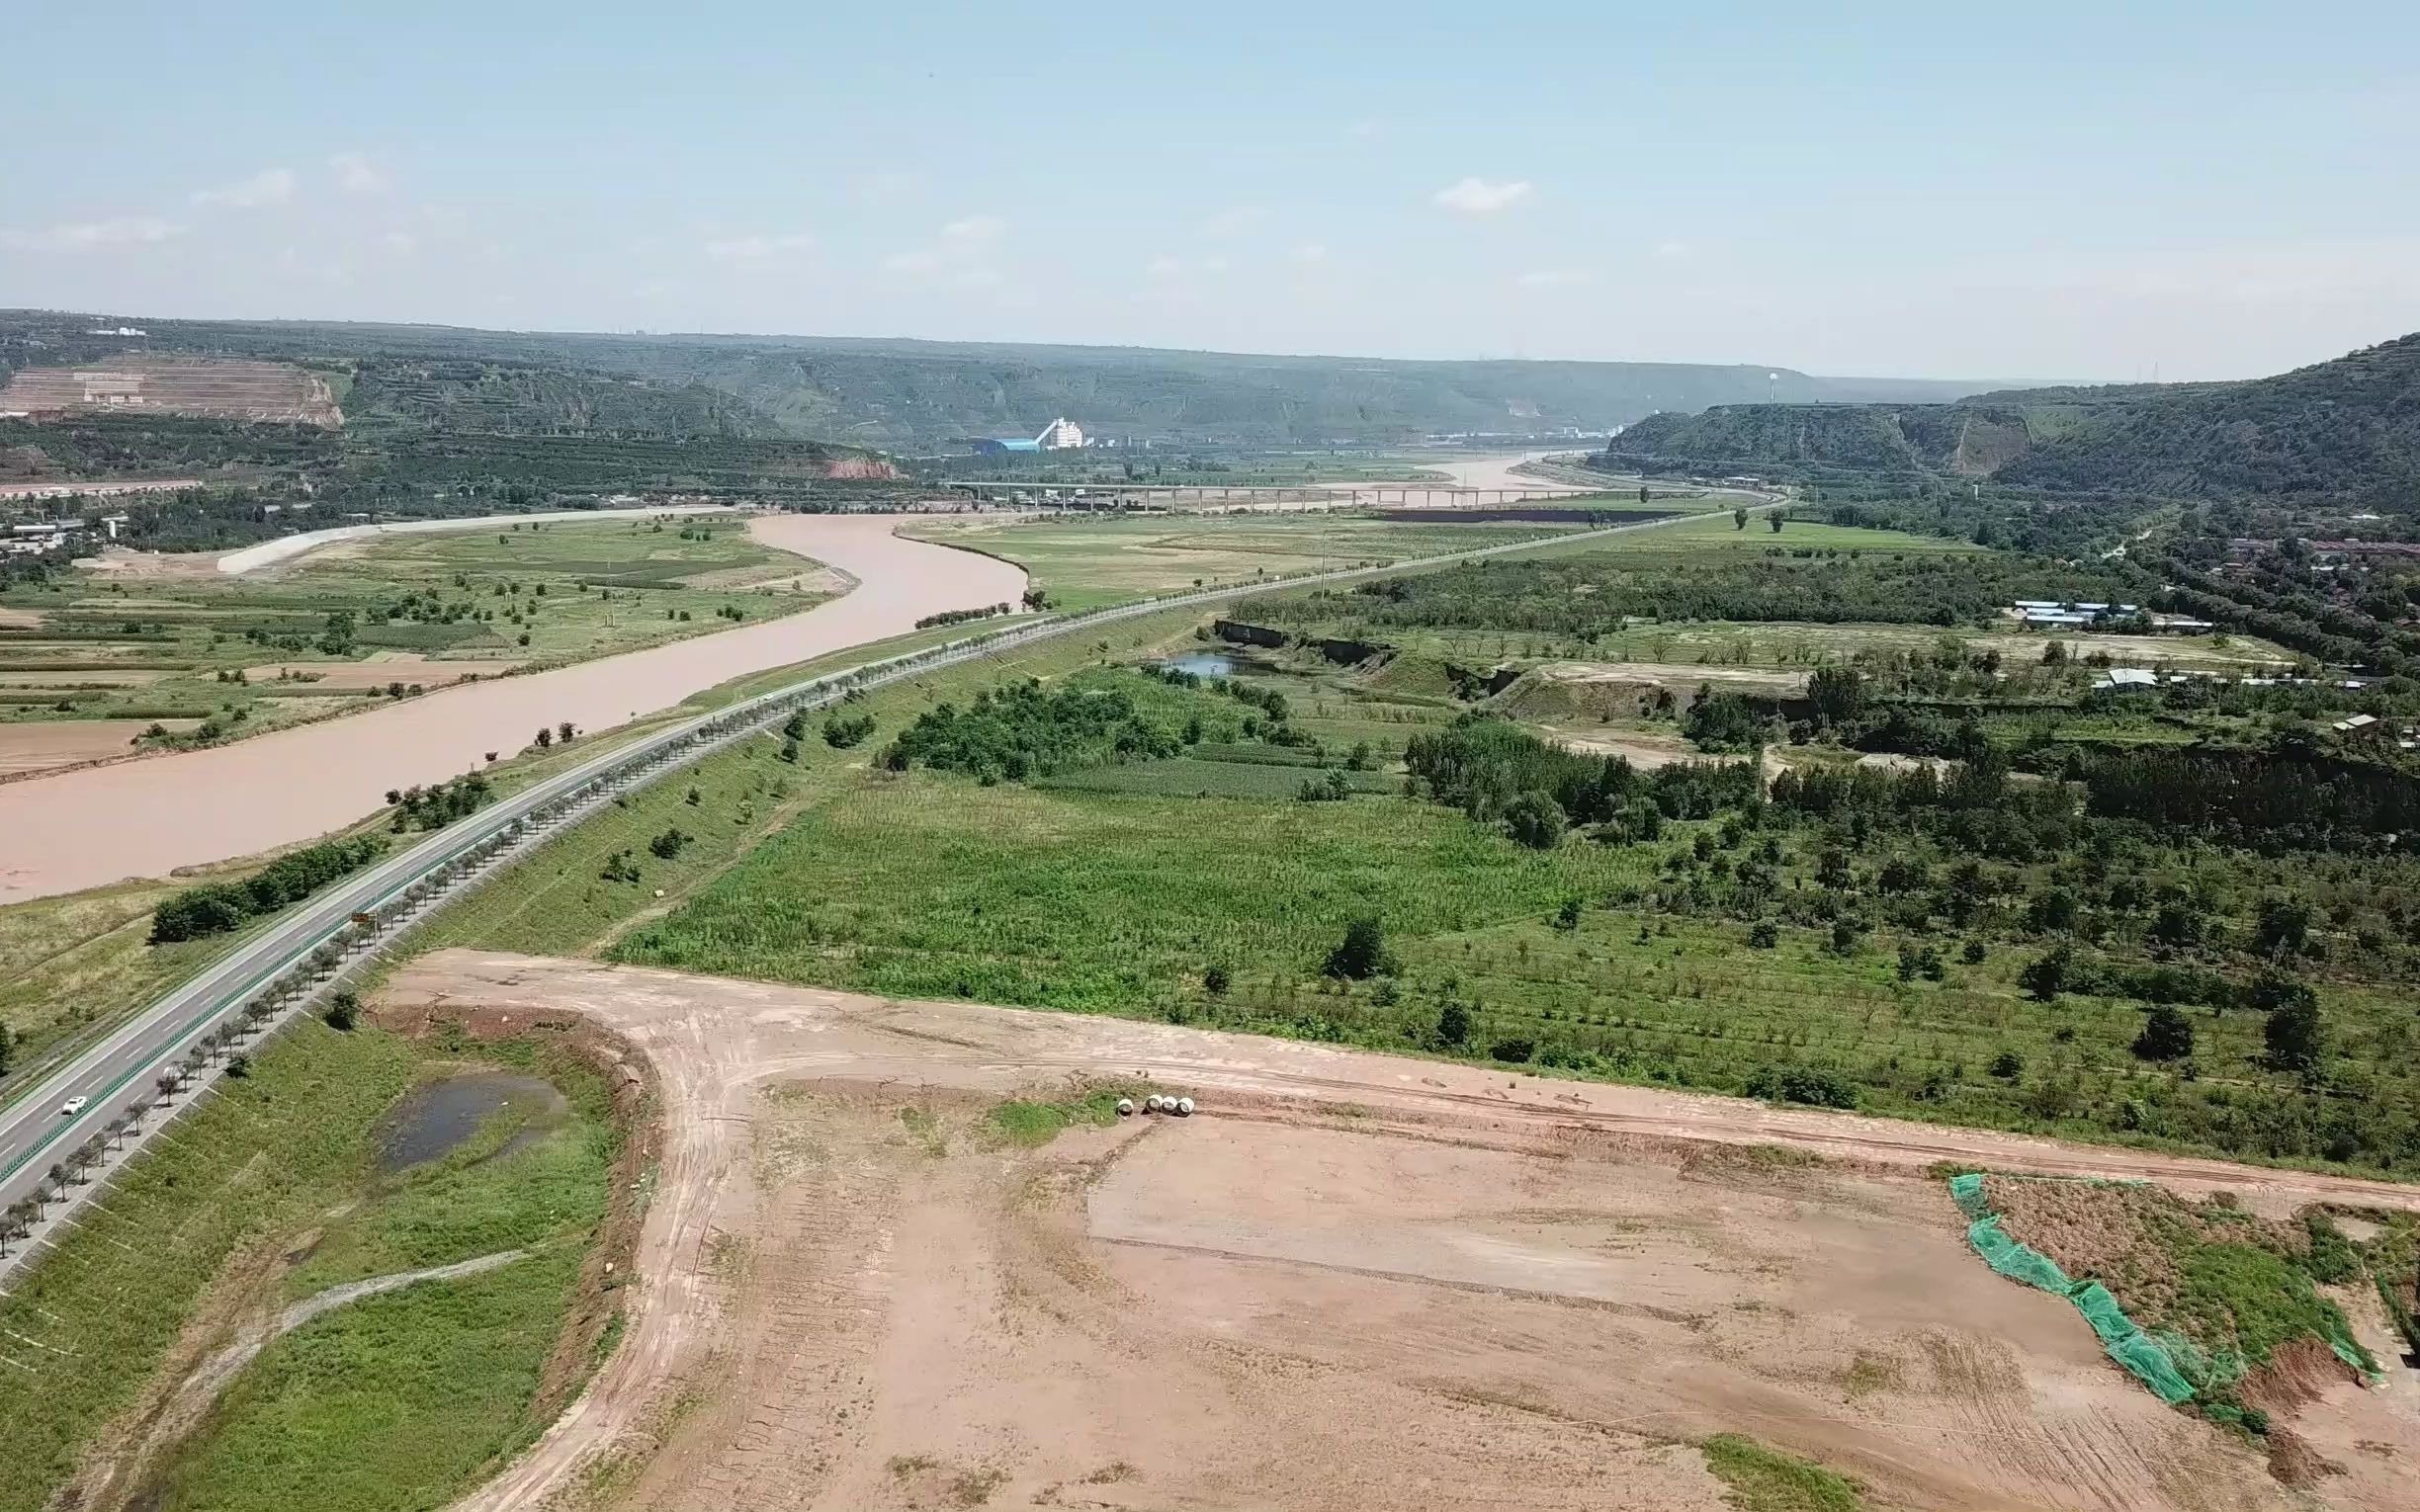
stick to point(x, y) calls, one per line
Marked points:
point(1350, 1281)
point(177, 385)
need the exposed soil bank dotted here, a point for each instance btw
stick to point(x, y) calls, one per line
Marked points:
point(82, 828)
point(35, 744)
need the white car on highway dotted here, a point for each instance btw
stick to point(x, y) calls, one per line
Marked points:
point(73, 1106)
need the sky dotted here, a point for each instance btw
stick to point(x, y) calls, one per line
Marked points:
point(2101, 192)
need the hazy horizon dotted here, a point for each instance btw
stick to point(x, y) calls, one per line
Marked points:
point(2196, 192)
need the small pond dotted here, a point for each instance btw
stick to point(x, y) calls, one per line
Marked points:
point(1206, 664)
point(439, 1117)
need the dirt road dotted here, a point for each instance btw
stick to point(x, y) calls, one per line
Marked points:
point(83, 828)
point(1353, 1281)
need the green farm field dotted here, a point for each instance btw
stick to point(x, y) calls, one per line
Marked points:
point(1082, 563)
point(218, 658)
point(1797, 646)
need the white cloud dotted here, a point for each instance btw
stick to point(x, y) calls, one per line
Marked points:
point(357, 175)
point(270, 186)
point(1234, 221)
point(887, 183)
point(1554, 277)
point(1310, 254)
point(1478, 197)
point(1171, 270)
point(1672, 250)
point(1366, 128)
point(758, 248)
point(90, 235)
point(955, 259)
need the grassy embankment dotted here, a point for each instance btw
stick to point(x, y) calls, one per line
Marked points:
point(270, 1193)
point(332, 632)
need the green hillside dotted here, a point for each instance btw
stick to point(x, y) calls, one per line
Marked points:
point(525, 399)
point(2347, 429)
point(909, 395)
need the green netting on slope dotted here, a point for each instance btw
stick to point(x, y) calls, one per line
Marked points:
point(2206, 1371)
point(2350, 1354)
point(2142, 1356)
point(2018, 1262)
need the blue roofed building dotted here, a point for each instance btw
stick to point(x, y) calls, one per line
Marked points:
point(1060, 435)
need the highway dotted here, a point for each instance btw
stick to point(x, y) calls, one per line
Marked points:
point(120, 1070)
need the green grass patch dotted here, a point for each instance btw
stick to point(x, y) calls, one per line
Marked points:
point(557, 900)
point(1030, 1124)
point(1186, 775)
point(1763, 1480)
point(424, 1387)
point(1085, 562)
point(399, 1400)
point(1092, 901)
point(2250, 1299)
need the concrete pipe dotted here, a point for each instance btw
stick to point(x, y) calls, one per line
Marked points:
point(1125, 1106)
point(1155, 1102)
point(1185, 1107)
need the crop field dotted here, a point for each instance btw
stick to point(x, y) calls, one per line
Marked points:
point(1615, 599)
point(1085, 562)
point(284, 1185)
point(212, 659)
point(1784, 644)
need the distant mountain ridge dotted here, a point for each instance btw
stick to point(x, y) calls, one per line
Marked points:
point(2344, 429)
point(903, 394)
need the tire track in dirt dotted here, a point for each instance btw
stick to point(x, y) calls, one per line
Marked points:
point(834, 1309)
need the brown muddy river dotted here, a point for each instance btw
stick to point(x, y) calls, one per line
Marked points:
point(145, 818)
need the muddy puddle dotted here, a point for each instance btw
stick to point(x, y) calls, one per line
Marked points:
point(441, 1116)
